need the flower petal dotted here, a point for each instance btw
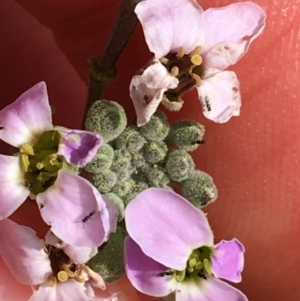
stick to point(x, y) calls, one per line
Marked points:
point(77, 254)
point(228, 260)
point(211, 289)
point(220, 96)
point(146, 274)
point(23, 252)
point(27, 117)
point(94, 278)
point(62, 291)
point(229, 32)
point(79, 147)
point(12, 190)
point(169, 25)
point(147, 90)
point(163, 233)
point(75, 210)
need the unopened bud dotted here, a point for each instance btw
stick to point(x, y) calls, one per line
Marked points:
point(156, 176)
point(155, 151)
point(102, 160)
point(119, 204)
point(107, 118)
point(199, 189)
point(121, 163)
point(179, 165)
point(157, 128)
point(186, 134)
point(105, 180)
point(131, 139)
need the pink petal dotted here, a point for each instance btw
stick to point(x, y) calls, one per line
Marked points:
point(24, 253)
point(229, 32)
point(168, 25)
point(211, 289)
point(166, 226)
point(12, 190)
point(26, 118)
point(228, 260)
point(147, 90)
point(79, 147)
point(94, 278)
point(77, 254)
point(62, 291)
point(75, 211)
point(113, 214)
point(146, 274)
point(221, 94)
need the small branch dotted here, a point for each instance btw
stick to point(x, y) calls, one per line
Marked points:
point(102, 69)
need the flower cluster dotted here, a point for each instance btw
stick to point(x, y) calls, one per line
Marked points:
point(107, 193)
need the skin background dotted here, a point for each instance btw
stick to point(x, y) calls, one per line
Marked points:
point(253, 159)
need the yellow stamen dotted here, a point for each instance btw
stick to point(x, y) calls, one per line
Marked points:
point(27, 149)
point(207, 266)
point(180, 275)
point(62, 276)
point(39, 165)
point(196, 50)
point(52, 280)
point(196, 59)
point(193, 262)
point(197, 78)
point(79, 279)
point(175, 71)
point(68, 271)
point(181, 52)
point(24, 161)
point(199, 265)
point(164, 60)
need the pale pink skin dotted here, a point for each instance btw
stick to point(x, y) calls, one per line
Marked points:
point(164, 229)
point(23, 121)
point(224, 34)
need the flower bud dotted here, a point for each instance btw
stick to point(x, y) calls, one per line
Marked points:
point(186, 134)
point(137, 159)
point(155, 151)
point(102, 160)
point(119, 204)
point(199, 189)
point(179, 165)
point(107, 118)
point(156, 176)
point(157, 128)
point(137, 188)
point(121, 164)
point(123, 187)
point(105, 180)
point(108, 262)
point(131, 139)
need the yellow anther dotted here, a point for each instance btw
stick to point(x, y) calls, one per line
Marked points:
point(207, 266)
point(27, 149)
point(199, 265)
point(62, 276)
point(39, 165)
point(175, 71)
point(68, 271)
point(181, 52)
point(196, 59)
point(172, 105)
point(180, 275)
point(79, 279)
point(196, 50)
point(164, 60)
point(197, 78)
point(24, 161)
point(52, 280)
point(193, 262)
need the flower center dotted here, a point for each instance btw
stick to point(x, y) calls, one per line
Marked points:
point(198, 265)
point(62, 266)
point(186, 68)
point(40, 162)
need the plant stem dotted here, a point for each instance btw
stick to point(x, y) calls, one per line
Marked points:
point(102, 69)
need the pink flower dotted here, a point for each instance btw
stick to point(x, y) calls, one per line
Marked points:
point(43, 150)
point(33, 261)
point(170, 249)
point(195, 46)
